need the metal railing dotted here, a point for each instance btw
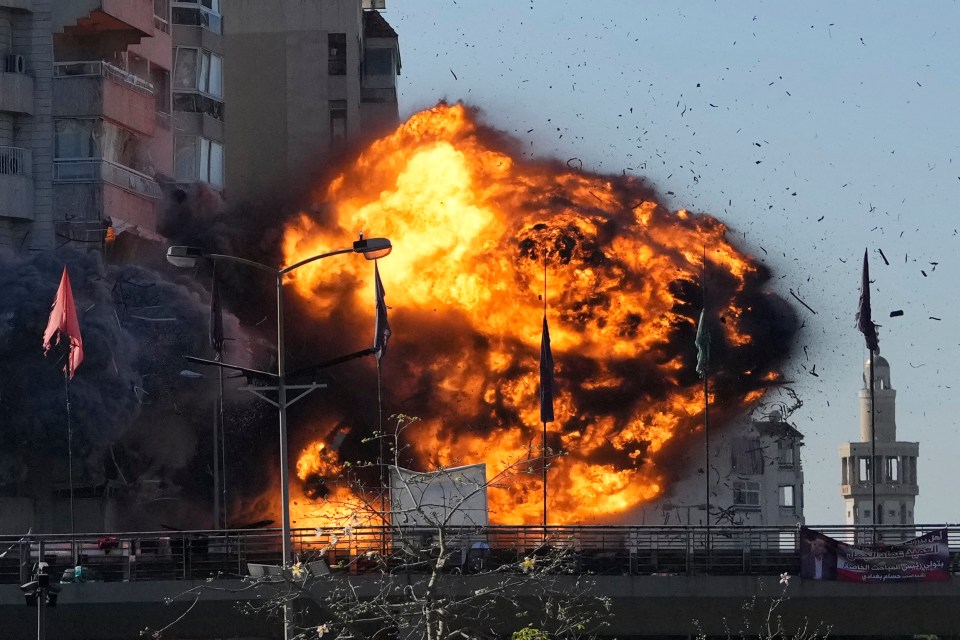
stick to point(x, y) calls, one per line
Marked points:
point(600, 550)
point(100, 68)
point(15, 161)
point(100, 169)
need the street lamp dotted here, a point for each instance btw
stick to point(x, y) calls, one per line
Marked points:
point(188, 257)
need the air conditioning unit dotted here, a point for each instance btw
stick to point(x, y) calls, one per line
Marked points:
point(15, 64)
point(378, 5)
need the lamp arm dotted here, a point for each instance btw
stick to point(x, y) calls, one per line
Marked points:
point(249, 263)
point(297, 265)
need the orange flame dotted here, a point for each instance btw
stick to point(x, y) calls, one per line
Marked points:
point(476, 232)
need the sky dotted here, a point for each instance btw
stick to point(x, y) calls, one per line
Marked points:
point(813, 130)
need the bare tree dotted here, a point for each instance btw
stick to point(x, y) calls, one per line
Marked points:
point(425, 565)
point(761, 619)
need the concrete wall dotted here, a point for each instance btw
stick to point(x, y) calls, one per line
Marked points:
point(641, 606)
point(278, 90)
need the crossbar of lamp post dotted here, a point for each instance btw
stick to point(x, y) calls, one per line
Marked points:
point(187, 257)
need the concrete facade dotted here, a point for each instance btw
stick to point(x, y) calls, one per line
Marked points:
point(298, 90)
point(895, 462)
point(26, 221)
point(658, 606)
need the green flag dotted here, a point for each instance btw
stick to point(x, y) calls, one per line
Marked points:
point(703, 345)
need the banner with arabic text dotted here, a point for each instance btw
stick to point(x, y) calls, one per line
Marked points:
point(923, 559)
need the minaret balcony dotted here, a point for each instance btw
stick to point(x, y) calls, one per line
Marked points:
point(884, 489)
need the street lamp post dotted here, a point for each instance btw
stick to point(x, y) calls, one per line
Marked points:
point(187, 257)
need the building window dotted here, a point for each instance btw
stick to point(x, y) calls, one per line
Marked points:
point(747, 456)
point(160, 79)
point(197, 158)
point(74, 138)
point(338, 120)
point(785, 452)
point(161, 15)
point(864, 469)
point(379, 62)
point(787, 496)
point(746, 494)
point(337, 54)
point(198, 69)
point(205, 13)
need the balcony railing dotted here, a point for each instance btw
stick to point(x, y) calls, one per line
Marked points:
point(602, 550)
point(15, 161)
point(100, 68)
point(67, 170)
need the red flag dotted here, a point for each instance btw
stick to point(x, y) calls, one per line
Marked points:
point(63, 320)
point(864, 322)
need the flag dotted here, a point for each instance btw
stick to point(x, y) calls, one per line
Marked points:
point(63, 320)
point(382, 329)
point(864, 321)
point(703, 345)
point(546, 375)
point(216, 316)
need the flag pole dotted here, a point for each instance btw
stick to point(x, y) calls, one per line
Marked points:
point(73, 529)
point(216, 341)
point(873, 449)
point(543, 448)
point(381, 463)
point(706, 402)
point(382, 334)
point(866, 326)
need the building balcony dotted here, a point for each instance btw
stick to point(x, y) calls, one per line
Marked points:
point(129, 19)
point(99, 89)
point(73, 170)
point(16, 183)
point(108, 191)
point(884, 489)
point(16, 92)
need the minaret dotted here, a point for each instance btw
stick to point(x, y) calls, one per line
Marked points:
point(896, 462)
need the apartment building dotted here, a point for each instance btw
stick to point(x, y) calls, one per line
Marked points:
point(81, 138)
point(302, 80)
point(110, 107)
point(26, 68)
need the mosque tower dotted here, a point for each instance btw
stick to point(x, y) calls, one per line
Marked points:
point(896, 462)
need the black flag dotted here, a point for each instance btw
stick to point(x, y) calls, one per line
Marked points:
point(382, 329)
point(864, 321)
point(546, 376)
point(216, 317)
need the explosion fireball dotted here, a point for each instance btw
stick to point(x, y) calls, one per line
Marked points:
point(480, 237)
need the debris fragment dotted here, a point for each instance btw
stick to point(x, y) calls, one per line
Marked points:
point(797, 298)
point(897, 313)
